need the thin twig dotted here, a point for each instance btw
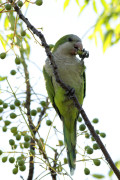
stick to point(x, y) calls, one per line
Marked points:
point(41, 115)
point(67, 88)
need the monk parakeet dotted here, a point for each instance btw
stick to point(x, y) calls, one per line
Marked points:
point(72, 72)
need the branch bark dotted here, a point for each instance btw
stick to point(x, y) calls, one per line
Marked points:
point(67, 88)
point(27, 105)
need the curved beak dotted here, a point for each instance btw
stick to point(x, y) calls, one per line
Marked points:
point(78, 46)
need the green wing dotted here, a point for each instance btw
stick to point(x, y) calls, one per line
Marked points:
point(84, 77)
point(50, 90)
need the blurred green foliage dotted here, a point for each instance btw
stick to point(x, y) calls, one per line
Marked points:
point(107, 26)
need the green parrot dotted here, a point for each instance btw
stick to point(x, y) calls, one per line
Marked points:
point(72, 72)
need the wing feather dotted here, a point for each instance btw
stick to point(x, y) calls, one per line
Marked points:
point(50, 90)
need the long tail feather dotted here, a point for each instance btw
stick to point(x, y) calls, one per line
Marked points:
point(70, 142)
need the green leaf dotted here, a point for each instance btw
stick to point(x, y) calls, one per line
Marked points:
point(82, 8)
point(77, 1)
point(110, 173)
point(99, 23)
point(107, 39)
point(118, 164)
point(66, 3)
point(94, 6)
point(3, 41)
point(12, 21)
point(0, 11)
point(28, 36)
point(104, 4)
point(3, 78)
point(27, 4)
point(117, 31)
point(10, 36)
point(27, 50)
point(101, 34)
point(98, 176)
point(6, 23)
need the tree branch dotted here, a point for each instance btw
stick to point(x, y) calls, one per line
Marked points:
point(27, 105)
point(67, 88)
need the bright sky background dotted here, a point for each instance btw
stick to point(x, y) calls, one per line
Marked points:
point(102, 74)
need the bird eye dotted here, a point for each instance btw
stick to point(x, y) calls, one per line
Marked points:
point(70, 39)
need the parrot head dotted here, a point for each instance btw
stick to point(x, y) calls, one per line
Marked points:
point(68, 45)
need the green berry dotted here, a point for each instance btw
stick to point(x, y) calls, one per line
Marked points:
point(1, 101)
point(89, 150)
point(87, 135)
point(95, 120)
point(4, 128)
point(14, 146)
point(17, 102)
point(48, 122)
point(26, 144)
point(97, 162)
point(1, 152)
point(86, 171)
point(13, 115)
point(27, 138)
point(8, 7)
point(33, 112)
point(92, 138)
point(13, 129)
point(22, 168)
point(17, 60)
point(23, 33)
point(3, 55)
point(11, 159)
point(97, 131)
point(18, 137)
point(43, 103)
point(79, 119)
point(38, 109)
point(60, 143)
point(103, 135)
point(39, 2)
point(4, 159)
point(13, 72)
point(12, 107)
point(95, 146)
point(21, 162)
point(19, 158)
point(15, 170)
point(14, 134)
point(5, 105)
point(86, 147)
point(20, 3)
point(1, 109)
point(65, 160)
point(21, 145)
point(82, 127)
point(7, 122)
point(11, 142)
